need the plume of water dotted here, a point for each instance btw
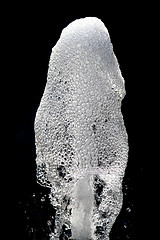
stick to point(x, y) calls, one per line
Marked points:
point(81, 140)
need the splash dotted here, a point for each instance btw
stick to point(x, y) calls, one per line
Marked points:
point(81, 140)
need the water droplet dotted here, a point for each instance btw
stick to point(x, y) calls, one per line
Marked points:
point(128, 209)
point(125, 225)
point(42, 199)
point(49, 223)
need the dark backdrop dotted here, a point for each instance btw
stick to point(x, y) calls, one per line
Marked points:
point(33, 31)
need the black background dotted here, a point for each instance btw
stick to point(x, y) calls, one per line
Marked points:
point(32, 32)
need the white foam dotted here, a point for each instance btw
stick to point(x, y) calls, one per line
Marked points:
point(81, 140)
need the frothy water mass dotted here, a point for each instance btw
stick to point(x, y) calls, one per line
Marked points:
point(81, 140)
